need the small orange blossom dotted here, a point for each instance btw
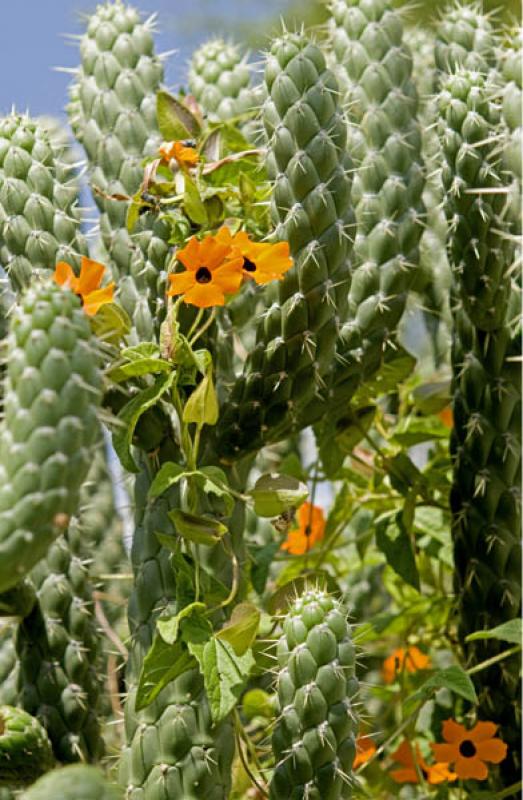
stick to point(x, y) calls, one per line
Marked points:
point(365, 749)
point(261, 261)
point(469, 749)
point(311, 530)
point(432, 773)
point(87, 285)
point(182, 152)
point(212, 271)
point(408, 660)
point(447, 417)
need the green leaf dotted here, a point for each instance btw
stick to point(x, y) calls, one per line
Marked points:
point(395, 543)
point(139, 367)
point(175, 121)
point(432, 397)
point(509, 631)
point(403, 473)
point(211, 480)
point(262, 558)
point(413, 430)
point(131, 413)
point(133, 215)
point(111, 323)
point(453, 678)
point(162, 664)
point(200, 530)
point(257, 703)
point(351, 429)
point(274, 494)
point(193, 203)
point(169, 627)
point(242, 628)
point(168, 474)
point(212, 589)
point(139, 351)
point(224, 673)
point(202, 405)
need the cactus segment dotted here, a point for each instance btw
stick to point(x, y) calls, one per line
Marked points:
point(52, 392)
point(172, 749)
point(465, 38)
point(76, 782)
point(39, 217)
point(311, 208)
point(25, 750)
point(314, 737)
point(113, 114)
point(220, 80)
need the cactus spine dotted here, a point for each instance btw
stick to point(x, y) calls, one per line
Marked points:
point(52, 392)
point(311, 209)
point(314, 738)
point(487, 390)
point(465, 38)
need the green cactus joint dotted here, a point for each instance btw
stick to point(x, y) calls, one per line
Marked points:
point(73, 783)
point(314, 737)
point(25, 750)
point(220, 80)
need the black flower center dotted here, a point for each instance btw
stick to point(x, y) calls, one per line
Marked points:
point(307, 530)
point(467, 749)
point(249, 265)
point(203, 275)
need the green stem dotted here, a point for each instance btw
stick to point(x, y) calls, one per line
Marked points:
point(210, 319)
point(197, 320)
point(484, 664)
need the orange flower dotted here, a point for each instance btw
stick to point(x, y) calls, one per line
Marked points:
point(365, 749)
point(183, 152)
point(469, 749)
point(87, 285)
point(447, 417)
point(261, 261)
point(433, 773)
point(212, 271)
point(410, 660)
point(311, 530)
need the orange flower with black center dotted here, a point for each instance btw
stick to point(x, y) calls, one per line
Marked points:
point(365, 749)
point(213, 270)
point(181, 151)
point(261, 261)
point(410, 659)
point(468, 750)
point(87, 286)
point(412, 764)
point(311, 530)
point(447, 417)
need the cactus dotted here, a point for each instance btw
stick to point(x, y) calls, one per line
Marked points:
point(8, 667)
point(25, 750)
point(112, 112)
point(487, 387)
point(52, 385)
point(511, 71)
point(374, 68)
point(465, 38)
point(73, 783)
point(314, 738)
point(220, 80)
point(311, 206)
point(39, 217)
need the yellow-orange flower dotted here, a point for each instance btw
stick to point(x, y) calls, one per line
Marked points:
point(87, 285)
point(365, 749)
point(213, 270)
point(261, 261)
point(432, 773)
point(310, 531)
point(468, 750)
point(182, 152)
point(408, 660)
point(447, 417)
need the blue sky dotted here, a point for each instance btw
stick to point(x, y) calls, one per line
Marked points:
point(32, 41)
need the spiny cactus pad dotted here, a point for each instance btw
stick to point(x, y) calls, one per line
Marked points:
point(73, 783)
point(314, 738)
point(220, 80)
point(25, 750)
point(52, 392)
point(465, 38)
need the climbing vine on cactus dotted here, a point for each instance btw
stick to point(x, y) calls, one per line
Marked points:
point(321, 572)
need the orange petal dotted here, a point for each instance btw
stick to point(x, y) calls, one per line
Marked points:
point(438, 773)
point(493, 750)
point(229, 277)
point(213, 253)
point(91, 274)
point(190, 254)
point(404, 755)
point(482, 731)
point(167, 150)
point(64, 276)
point(180, 282)
point(204, 295)
point(296, 543)
point(404, 776)
point(471, 768)
point(445, 752)
point(100, 297)
point(454, 732)
point(365, 749)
